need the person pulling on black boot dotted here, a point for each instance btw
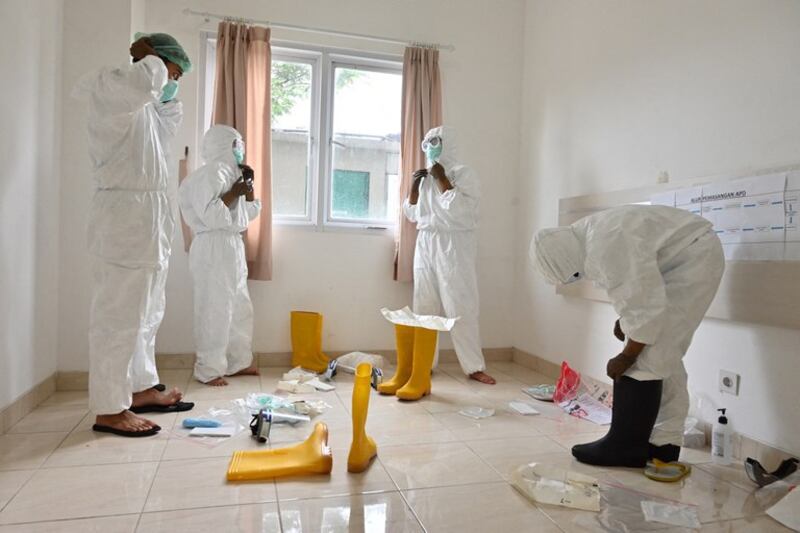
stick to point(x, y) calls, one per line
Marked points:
point(661, 267)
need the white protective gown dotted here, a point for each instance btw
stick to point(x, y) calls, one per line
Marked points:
point(223, 312)
point(661, 267)
point(446, 251)
point(130, 226)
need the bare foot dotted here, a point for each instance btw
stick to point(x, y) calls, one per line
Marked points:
point(482, 377)
point(251, 370)
point(153, 397)
point(216, 382)
point(125, 421)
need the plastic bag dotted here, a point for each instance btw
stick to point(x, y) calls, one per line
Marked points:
point(234, 418)
point(693, 437)
point(568, 384)
point(256, 401)
point(477, 413)
point(406, 317)
point(552, 485)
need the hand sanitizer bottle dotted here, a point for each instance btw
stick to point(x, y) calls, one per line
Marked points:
point(721, 447)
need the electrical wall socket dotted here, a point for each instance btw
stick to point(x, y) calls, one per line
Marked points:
point(729, 382)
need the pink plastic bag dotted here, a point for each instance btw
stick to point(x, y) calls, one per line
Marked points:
point(568, 384)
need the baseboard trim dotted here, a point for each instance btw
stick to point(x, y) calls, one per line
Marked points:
point(26, 403)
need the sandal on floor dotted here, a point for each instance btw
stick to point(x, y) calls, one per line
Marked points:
point(123, 433)
point(177, 407)
point(160, 387)
point(666, 472)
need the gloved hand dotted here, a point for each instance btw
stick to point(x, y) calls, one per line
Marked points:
point(618, 333)
point(248, 176)
point(437, 171)
point(618, 365)
point(240, 188)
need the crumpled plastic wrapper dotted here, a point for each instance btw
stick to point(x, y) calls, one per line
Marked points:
point(556, 486)
point(406, 317)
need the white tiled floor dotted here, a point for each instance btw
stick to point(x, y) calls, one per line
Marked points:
point(436, 470)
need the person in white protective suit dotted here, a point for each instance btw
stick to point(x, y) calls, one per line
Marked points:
point(132, 116)
point(218, 202)
point(443, 202)
point(661, 267)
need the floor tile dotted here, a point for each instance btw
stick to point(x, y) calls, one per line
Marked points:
point(89, 447)
point(107, 524)
point(339, 483)
point(26, 451)
point(81, 492)
point(435, 465)
point(50, 418)
point(197, 483)
point(11, 482)
point(502, 424)
point(506, 455)
point(385, 512)
point(733, 473)
point(485, 507)
point(716, 499)
point(262, 518)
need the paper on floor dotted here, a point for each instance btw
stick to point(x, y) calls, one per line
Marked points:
point(672, 514)
point(222, 431)
point(587, 408)
point(523, 408)
point(406, 317)
point(787, 511)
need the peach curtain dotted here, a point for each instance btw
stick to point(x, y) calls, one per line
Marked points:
point(421, 111)
point(242, 100)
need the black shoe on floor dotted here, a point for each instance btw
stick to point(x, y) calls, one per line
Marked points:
point(633, 416)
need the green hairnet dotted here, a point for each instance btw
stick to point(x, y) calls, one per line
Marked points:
point(167, 47)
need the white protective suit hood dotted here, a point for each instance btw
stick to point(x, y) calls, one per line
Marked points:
point(449, 157)
point(558, 254)
point(218, 145)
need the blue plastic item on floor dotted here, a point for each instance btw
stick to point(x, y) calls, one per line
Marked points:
point(190, 423)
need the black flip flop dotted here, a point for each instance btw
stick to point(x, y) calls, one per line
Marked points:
point(160, 387)
point(122, 433)
point(177, 407)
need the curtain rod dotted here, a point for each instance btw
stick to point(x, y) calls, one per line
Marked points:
point(208, 16)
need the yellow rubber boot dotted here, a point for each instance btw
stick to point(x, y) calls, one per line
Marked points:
point(419, 384)
point(363, 448)
point(307, 341)
point(310, 457)
point(404, 340)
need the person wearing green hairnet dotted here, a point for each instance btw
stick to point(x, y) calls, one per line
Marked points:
point(132, 116)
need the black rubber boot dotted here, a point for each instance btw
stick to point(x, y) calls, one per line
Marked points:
point(666, 453)
point(633, 415)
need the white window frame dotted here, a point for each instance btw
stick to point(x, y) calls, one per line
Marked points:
point(323, 60)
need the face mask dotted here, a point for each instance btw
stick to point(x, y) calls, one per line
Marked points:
point(433, 153)
point(169, 91)
point(238, 151)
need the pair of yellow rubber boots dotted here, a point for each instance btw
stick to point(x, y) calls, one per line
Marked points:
point(314, 455)
point(416, 348)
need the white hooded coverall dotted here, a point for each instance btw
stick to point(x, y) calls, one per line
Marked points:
point(223, 312)
point(446, 251)
point(661, 267)
point(130, 226)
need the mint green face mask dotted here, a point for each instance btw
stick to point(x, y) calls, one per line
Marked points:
point(169, 91)
point(238, 153)
point(433, 153)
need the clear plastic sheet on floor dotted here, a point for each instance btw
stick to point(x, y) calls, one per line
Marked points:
point(555, 486)
point(621, 510)
point(234, 418)
point(478, 413)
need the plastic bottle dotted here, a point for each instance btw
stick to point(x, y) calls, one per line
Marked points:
point(721, 447)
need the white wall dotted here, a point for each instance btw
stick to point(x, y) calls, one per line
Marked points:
point(348, 277)
point(96, 33)
point(29, 105)
point(615, 92)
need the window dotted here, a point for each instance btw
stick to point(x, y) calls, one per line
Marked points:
point(335, 136)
